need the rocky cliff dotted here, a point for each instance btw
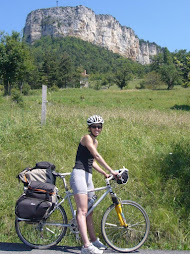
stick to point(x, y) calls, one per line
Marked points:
point(81, 22)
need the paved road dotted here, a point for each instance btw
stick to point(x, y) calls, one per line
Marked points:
point(19, 248)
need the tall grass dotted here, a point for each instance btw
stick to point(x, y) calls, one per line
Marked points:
point(146, 131)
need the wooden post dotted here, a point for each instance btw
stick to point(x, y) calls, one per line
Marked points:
point(44, 101)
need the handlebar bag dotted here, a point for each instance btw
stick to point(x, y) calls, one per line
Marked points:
point(31, 208)
point(124, 177)
point(43, 191)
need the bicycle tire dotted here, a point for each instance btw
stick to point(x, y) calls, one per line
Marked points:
point(40, 234)
point(125, 239)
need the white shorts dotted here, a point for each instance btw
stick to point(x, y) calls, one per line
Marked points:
point(81, 182)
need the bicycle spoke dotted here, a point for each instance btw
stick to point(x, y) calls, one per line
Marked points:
point(138, 223)
point(50, 230)
point(110, 224)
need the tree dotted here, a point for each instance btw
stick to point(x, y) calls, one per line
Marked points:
point(122, 78)
point(77, 74)
point(65, 70)
point(157, 62)
point(165, 66)
point(170, 75)
point(182, 61)
point(15, 61)
point(123, 73)
point(48, 71)
point(108, 80)
point(167, 57)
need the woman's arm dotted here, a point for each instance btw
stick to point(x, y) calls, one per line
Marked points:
point(99, 169)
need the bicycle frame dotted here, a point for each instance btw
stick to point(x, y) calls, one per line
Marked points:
point(69, 194)
point(108, 190)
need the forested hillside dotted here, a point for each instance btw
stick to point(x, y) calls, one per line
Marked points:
point(60, 62)
point(82, 54)
point(75, 56)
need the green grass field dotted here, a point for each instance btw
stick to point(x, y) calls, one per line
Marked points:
point(146, 131)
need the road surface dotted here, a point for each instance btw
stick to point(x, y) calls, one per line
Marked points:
point(19, 248)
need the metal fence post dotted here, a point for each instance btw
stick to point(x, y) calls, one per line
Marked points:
point(44, 101)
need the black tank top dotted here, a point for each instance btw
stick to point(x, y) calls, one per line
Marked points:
point(84, 159)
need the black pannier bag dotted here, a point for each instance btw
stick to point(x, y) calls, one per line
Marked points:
point(43, 191)
point(43, 172)
point(31, 208)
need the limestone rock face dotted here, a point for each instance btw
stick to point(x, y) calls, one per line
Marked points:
point(81, 22)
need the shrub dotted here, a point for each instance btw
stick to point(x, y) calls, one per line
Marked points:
point(26, 89)
point(152, 81)
point(141, 85)
point(16, 96)
point(1, 88)
point(185, 85)
point(54, 88)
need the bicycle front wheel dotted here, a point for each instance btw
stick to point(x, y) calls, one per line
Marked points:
point(45, 233)
point(125, 239)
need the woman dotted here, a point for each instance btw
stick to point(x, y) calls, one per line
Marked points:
point(81, 182)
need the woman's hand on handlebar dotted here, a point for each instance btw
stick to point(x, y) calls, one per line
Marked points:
point(106, 175)
point(114, 174)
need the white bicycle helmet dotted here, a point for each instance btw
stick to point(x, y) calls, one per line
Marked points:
point(95, 119)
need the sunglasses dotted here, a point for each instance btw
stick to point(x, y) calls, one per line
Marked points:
point(96, 126)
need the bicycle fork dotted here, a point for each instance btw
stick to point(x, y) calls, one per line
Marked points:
point(118, 209)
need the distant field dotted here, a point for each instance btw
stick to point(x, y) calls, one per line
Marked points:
point(146, 131)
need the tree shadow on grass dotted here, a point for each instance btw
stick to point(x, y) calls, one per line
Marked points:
point(181, 107)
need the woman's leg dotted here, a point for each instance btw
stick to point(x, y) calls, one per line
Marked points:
point(90, 227)
point(89, 219)
point(82, 208)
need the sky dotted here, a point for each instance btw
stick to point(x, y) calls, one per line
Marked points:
point(165, 22)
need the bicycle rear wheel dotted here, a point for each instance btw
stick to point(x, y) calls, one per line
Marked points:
point(126, 239)
point(43, 234)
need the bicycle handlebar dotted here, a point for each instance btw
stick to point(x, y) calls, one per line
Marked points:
point(118, 176)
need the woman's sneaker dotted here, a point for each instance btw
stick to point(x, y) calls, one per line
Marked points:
point(91, 249)
point(99, 244)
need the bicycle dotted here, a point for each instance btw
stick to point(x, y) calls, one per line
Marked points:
point(125, 224)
